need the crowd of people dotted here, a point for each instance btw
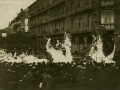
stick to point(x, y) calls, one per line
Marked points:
point(83, 74)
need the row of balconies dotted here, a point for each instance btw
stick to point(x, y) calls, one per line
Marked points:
point(48, 20)
point(56, 3)
point(77, 9)
point(58, 32)
point(61, 15)
point(107, 2)
point(86, 28)
point(72, 30)
point(48, 7)
point(109, 26)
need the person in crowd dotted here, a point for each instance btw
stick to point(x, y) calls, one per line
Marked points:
point(47, 81)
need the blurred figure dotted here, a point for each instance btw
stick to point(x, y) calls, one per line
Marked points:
point(47, 81)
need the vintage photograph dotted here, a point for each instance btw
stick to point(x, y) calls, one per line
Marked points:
point(59, 44)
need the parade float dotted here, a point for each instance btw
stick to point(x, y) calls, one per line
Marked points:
point(102, 50)
point(103, 47)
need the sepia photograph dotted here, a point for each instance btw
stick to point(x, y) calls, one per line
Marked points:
point(59, 44)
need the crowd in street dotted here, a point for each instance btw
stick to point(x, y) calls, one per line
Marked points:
point(83, 73)
point(88, 74)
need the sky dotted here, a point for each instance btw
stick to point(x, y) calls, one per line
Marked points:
point(9, 10)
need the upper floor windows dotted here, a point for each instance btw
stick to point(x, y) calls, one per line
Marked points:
point(63, 10)
point(90, 22)
point(63, 24)
point(81, 3)
point(107, 2)
point(107, 19)
point(90, 3)
point(72, 6)
point(80, 23)
point(72, 23)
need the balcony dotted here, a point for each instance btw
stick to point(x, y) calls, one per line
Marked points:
point(57, 17)
point(42, 22)
point(79, 9)
point(107, 3)
point(72, 12)
point(56, 3)
point(56, 32)
point(37, 23)
point(33, 35)
point(109, 26)
point(74, 30)
point(78, 30)
point(51, 6)
point(32, 25)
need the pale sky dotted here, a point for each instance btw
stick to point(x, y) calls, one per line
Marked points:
point(9, 10)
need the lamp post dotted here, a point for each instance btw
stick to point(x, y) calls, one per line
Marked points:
point(4, 35)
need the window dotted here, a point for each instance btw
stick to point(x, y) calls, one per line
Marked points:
point(63, 12)
point(50, 2)
point(85, 41)
point(58, 11)
point(81, 41)
point(54, 13)
point(55, 26)
point(44, 4)
point(73, 40)
point(90, 3)
point(72, 6)
point(53, 1)
point(107, 19)
point(107, 2)
point(72, 23)
point(22, 21)
point(59, 26)
point(63, 25)
point(89, 40)
point(43, 29)
point(40, 6)
point(50, 28)
point(80, 23)
point(80, 3)
point(89, 22)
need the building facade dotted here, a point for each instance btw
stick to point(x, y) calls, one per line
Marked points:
point(17, 31)
point(51, 18)
point(20, 23)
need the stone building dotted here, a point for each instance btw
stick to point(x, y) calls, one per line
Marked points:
point(51, 18)
point(17, 31)
point(20, 23)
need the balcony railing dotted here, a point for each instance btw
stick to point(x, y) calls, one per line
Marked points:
point(51, 19)
point(79, 9)
point(51, 6)
point(61, 31)
point(107, 3)
point(32, 25)
point(56, 3)
point(80, 30)
point(109, 26)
